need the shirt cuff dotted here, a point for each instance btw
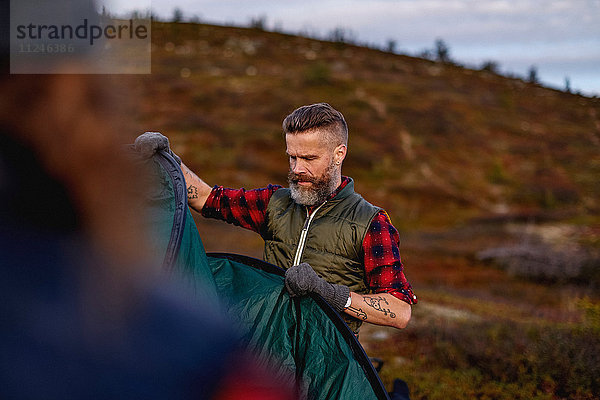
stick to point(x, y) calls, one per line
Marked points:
point(211, 206)
point(405, 295)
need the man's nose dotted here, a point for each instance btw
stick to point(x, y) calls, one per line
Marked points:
point(298, 167)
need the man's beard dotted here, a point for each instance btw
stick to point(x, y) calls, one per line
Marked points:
point(320, 189)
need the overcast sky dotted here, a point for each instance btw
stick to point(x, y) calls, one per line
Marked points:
point(561, 38)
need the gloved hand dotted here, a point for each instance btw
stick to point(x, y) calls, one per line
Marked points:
point(302, 279)
point(149, 143)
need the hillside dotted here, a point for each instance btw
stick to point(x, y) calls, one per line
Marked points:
point(434, 144)
point(489, 179)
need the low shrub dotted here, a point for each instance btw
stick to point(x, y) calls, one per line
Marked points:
point(541, 359)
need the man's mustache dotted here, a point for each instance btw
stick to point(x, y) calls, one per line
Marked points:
point(295, 178)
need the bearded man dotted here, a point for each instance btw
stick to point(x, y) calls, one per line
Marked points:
point(329, 239)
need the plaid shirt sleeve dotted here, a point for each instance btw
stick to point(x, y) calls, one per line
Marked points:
point(383, 267)
point(241, 207)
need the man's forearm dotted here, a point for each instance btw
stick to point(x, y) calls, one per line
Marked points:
point(197, 190)
point(379, 309)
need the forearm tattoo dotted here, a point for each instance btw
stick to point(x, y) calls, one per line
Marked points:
point(357, 312)
point(192, 192)
point(379, 303)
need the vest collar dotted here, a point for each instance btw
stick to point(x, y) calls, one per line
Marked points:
point(344, 190)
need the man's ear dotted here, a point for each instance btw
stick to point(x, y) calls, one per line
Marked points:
point(339, 154)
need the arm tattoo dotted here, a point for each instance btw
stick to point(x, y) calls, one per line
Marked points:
point(377, 303)
point(192, 192)
point(360, 314)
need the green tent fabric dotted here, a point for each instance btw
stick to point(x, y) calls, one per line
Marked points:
point(304, 338)
point(175, 237)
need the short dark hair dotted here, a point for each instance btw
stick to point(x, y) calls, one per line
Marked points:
point(319, 115)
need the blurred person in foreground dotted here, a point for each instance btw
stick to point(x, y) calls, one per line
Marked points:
point(84, 313)
point(328, 238)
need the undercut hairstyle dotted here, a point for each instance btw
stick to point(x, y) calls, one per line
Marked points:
point(319, 115)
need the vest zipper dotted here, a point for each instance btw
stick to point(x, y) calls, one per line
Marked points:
point(302, 241)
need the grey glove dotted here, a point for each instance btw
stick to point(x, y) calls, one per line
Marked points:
point(302, 279)
point(149, 143)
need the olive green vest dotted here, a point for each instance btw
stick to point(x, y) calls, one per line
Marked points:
point(332, 243)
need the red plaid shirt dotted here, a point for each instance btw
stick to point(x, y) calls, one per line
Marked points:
point(381, 253)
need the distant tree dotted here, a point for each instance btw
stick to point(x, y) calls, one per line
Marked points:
point(533, 75)
point(259, 22)
point(341, 35)
point(177, 15)
point(195, 19)
point(426, 54)
point(490, 66)
point(442, 51)
point(391, 46)
point(567, 85)
point(310, 32)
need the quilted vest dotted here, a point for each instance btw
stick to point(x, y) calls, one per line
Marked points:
point(330, 239)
